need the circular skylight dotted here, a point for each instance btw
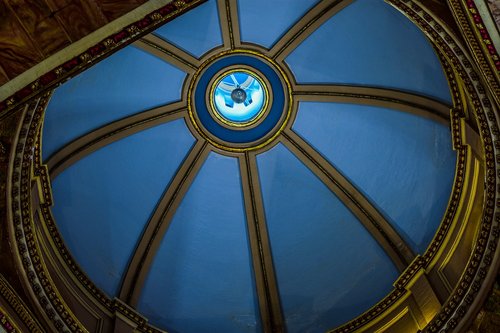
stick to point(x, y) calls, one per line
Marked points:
point(239, 98)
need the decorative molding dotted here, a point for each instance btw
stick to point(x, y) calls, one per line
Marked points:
point(41, 286)
point(478, 274)
point(482, 32)
point(14, 301)
point(488, 319)
point(103, 49)
point(479, 41)
point(6, 323)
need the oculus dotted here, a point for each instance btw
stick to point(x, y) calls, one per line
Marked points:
point(239, 98)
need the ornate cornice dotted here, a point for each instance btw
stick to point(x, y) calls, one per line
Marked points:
point(14, 301)
point(26, 169)
point(479, 42)
point(40, 284)
point(6, 323)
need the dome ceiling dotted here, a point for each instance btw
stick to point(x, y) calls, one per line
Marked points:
point(260, 165)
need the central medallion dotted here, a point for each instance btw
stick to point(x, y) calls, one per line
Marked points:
point(238, 98)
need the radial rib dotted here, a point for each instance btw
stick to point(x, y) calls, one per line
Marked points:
point(110, 133)
point(381, 97)
point(267, 290)
point(168, 52)
point(159, 222)
point(306, 26)
point(228, 18)
point(397, 249)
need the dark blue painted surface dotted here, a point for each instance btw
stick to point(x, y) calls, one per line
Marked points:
point(264, 22)
point(370, 43)
point(128, 82)
point(197, 31)
point(403, 162)
point(329, 268)
point(102, 203)
point(201, 279)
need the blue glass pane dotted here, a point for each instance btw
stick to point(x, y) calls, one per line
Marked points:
point(197, 31)
point(386, 50)
point(201, 279)
point(239, 97)
point(126, 83)
point(329, 268)
point(263, 22)
point(404, 163)
point(116, 189)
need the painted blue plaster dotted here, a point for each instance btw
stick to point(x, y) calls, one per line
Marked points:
point(329, 268)
point(201, 279)
point(102, 203)
point(263, 22)
point(128, 82)
point(404, 163)
point(197, 31)
point(370, 43)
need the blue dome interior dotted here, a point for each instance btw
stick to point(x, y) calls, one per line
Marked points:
point(327, 266)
